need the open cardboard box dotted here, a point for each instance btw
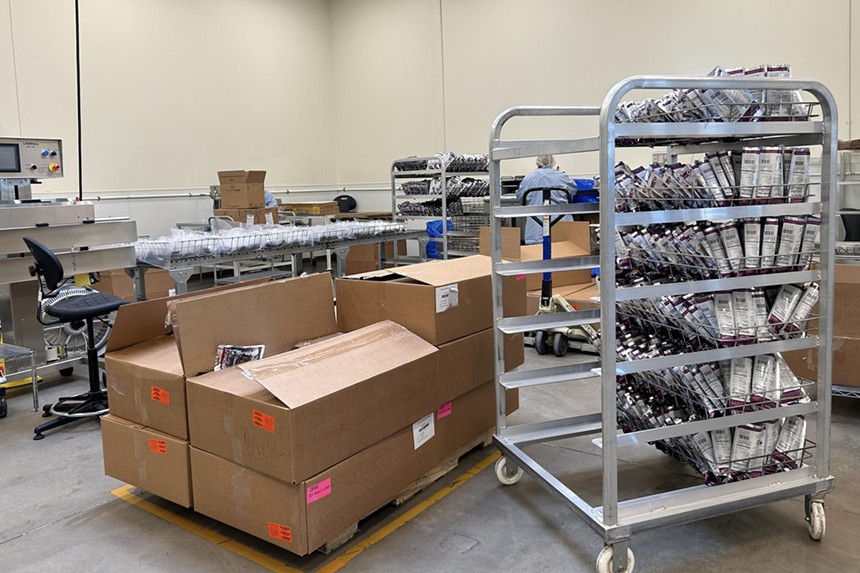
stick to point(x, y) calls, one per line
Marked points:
point(146, 366)
point(304, 516)
point(440, 301)
point(293, 415)
point(846, 332)
point(569, 239)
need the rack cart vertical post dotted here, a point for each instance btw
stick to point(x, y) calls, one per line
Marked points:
point(617, 520)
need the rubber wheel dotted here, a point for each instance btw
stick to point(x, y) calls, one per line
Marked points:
point(560, 344)
point(541, 342)
point(4, 408)
point(506, 478)
point(816, 521)
point(67, 371)
point(604, 561)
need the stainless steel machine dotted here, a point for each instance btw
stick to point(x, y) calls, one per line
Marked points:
point(68, 227)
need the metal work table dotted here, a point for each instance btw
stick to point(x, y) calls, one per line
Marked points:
point(181, 270)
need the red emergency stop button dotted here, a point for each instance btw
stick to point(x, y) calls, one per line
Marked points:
point(54, 167)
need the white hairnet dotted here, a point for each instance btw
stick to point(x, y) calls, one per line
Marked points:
point(545, 161)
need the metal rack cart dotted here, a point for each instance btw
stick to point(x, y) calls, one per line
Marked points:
point(420, 172)
point(616, 520)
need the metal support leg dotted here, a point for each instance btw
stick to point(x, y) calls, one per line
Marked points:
point(341, 253)
point(296, 263)
point(180, 278)
point(422, 248)
point(138, 282)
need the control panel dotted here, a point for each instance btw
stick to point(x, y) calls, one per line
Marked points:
point(22, 158)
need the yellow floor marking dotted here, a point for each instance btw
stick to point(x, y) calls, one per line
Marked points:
point(18, 383)
point(356, 550)
point(124, 493)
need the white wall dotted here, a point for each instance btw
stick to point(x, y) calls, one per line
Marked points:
point(324, 94)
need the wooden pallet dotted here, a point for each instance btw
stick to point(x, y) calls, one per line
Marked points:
point(438, 472)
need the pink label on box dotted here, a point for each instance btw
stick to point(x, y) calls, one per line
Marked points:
point(319, 490)
point(444, 410)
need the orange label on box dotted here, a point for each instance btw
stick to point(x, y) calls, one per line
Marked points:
point(319, 491)
point(281, 532)
point(263, 420)
point(157, 446)
point(160, 395)
point(444, 410)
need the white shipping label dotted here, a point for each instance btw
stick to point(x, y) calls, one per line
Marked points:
point(270, 220)
point(446, 297)
point(423, 430)
point(249, 219)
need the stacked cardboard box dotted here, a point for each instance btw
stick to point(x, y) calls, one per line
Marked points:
point(261, 216)
point(159, 284)
point(569, 239)
point(242, 189)
point(449, 304)
point(365, 258)
point(146, 435)
point(312, 207)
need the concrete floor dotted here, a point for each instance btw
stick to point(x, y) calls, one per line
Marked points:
point(57, 511)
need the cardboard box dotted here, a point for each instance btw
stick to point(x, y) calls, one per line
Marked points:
point(846, 332)
point(242, 189)
point(146, 369)
point(312, 207)
point(158, 284)
point(569, 239)
point(440, 301)
point(153, 461)
point(304, 516)
point(365, 258)
point(468, 362)
point(256, 216)
point(293, 415)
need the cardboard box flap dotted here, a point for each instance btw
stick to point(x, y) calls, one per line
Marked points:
point(560, 250)
point(147, 319)
point(444, 273)
point(278, 314)
point(337, 363)
point(510, 242)
point(256, 177)
point(241, 176)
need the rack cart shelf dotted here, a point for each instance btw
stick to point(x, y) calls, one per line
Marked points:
point(420, 171)
point(614, 519)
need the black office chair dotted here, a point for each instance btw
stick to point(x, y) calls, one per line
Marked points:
point(75, 309)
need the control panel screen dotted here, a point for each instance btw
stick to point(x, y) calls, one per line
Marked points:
point(10, 158)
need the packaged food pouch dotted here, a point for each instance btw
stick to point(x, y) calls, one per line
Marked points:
point(796, 325)
point(740, 383)
point(763, 378)
point(711, 183)
point(763, 333)
point(752, 245)
point(711, 380)
point(725, 318)
point(810, 237)
point(728, 169)
point(756, 72)
point(769, 174)
point(779, 100)
point(715, 245)
point(769, 237)
point(744, 311)
point(722, 179)
point(790, 388)
point(771, 435)
point(705, 303)
point(783, 306)
point(757, 456)
point(790, 444)
point(743, 445)
point(732, 244)
point(722, 441)
point(706, 449)
point(790, 240)
point(748, 183)
point(798, 175)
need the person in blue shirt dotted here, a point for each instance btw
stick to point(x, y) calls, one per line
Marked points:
point(547, 174)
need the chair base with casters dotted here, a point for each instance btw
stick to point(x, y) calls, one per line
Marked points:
point(86, 308)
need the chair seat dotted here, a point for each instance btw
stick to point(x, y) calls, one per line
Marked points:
point(84, 307)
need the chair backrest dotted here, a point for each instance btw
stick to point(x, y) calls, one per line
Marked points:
point(48, 266)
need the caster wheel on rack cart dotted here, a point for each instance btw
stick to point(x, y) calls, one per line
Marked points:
point(604, 561)
point(816, 520)
point(559, 344)
point(542, 344)
point(4, 408)
point(505, 477)
point(67, 371)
